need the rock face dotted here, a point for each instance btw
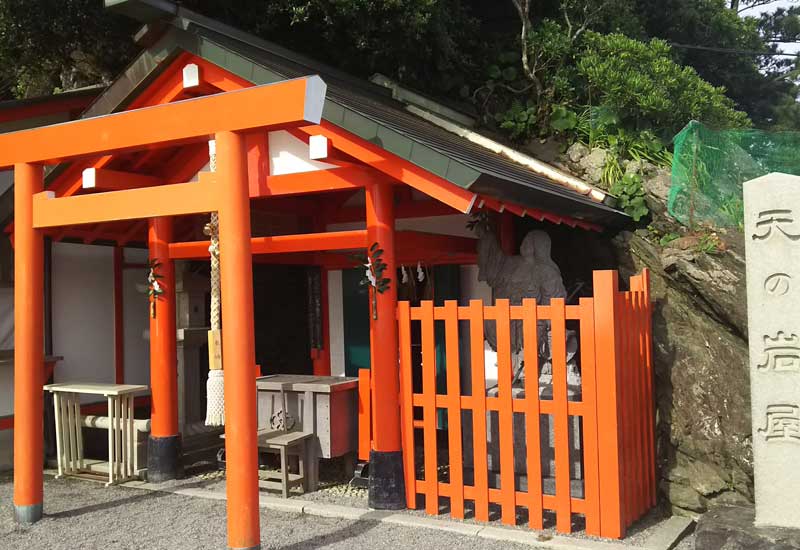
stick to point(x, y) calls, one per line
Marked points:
point(701, 367)
point(731, 528)
point(700, 344)
point(586, 163)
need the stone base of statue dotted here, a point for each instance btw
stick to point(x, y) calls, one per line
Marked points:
point(732, 528)
point(547, 443)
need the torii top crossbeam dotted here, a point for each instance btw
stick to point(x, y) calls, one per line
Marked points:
point(299, 102)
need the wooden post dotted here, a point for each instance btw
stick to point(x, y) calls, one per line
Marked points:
point(506, 234)
point(164, 442)
point(386, 487)
point(28, 347)
point(238, 342)
point(607, 362)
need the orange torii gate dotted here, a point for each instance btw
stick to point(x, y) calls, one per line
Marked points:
point(226, 118)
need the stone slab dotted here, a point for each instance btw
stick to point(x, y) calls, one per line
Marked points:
point(732, 528)
point(772, 246)
point(334, 511)
point(667, 535)
point(469, 529)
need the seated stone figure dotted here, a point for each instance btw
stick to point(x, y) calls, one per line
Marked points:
point(531, 274)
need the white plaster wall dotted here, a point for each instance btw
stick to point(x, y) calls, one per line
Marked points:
point(6, 450)
point(6, 343)
point(336, 322)
point(6, 318)
point(290, 155)
point(6, 180)
point(83, 313)
point(137, 321)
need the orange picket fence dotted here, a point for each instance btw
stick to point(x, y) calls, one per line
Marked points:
point(530, 446)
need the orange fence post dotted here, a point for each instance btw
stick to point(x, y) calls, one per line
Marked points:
point(429, 408)
point(641, 466)
point(454, 408)
point(607, 364)
point(505, 414)
point(649, 387)
point(28, 347)
point(480, 465)
point(386, 488)
point(364, 415)
point(164, 442)
point(532, 414)
point(589, 397)
point(238, 343)
point(561, 443)
point(407, 403)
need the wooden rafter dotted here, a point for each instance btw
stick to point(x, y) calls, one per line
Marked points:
point(395, 166)
point(281, 244)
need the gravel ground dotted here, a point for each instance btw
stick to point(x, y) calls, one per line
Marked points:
point(86, 515)
point(335, 489)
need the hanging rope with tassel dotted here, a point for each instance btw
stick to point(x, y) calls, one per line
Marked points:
point(215, 386)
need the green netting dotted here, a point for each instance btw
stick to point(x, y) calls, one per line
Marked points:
point(710, 166)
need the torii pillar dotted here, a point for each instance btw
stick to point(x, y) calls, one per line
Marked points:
point(28, 347)
point(238, 342)
point(164, 442)
point(386, 481)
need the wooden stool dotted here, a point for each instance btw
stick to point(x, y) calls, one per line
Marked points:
point(286, 443)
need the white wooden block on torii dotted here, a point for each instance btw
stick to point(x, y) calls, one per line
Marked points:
point(772, 243)
point(191, 75)
point(317, 147)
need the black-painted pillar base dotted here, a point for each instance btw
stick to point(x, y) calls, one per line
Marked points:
point(387, 489)
point(164, 458)
point(28, 514)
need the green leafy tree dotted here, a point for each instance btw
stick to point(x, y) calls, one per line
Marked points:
point(430, 44)
point(646, 88)
point(49, 45)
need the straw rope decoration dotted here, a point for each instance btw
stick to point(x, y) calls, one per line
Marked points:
point(215, 386)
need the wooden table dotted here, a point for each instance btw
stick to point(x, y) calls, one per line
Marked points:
point(121, 436)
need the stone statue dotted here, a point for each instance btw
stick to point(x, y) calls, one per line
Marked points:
point(532, 274)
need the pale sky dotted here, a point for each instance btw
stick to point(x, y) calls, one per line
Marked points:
point(789, 48)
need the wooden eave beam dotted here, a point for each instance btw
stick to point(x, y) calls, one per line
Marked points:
point(410, 241)
point(394, 166)
point(281, 244)
point(403, 209)
point(284, 104)
point(318, 181)
point(165, 200)
point(100, 179)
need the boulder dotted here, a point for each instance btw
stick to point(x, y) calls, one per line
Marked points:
point(701, 368)
point(656, 186)
point(732, 528)
point(576, 152)
point(592, 165)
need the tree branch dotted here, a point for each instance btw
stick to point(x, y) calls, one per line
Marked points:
point(523, 8)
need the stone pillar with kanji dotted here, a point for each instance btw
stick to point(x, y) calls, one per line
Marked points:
point(772, 244)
